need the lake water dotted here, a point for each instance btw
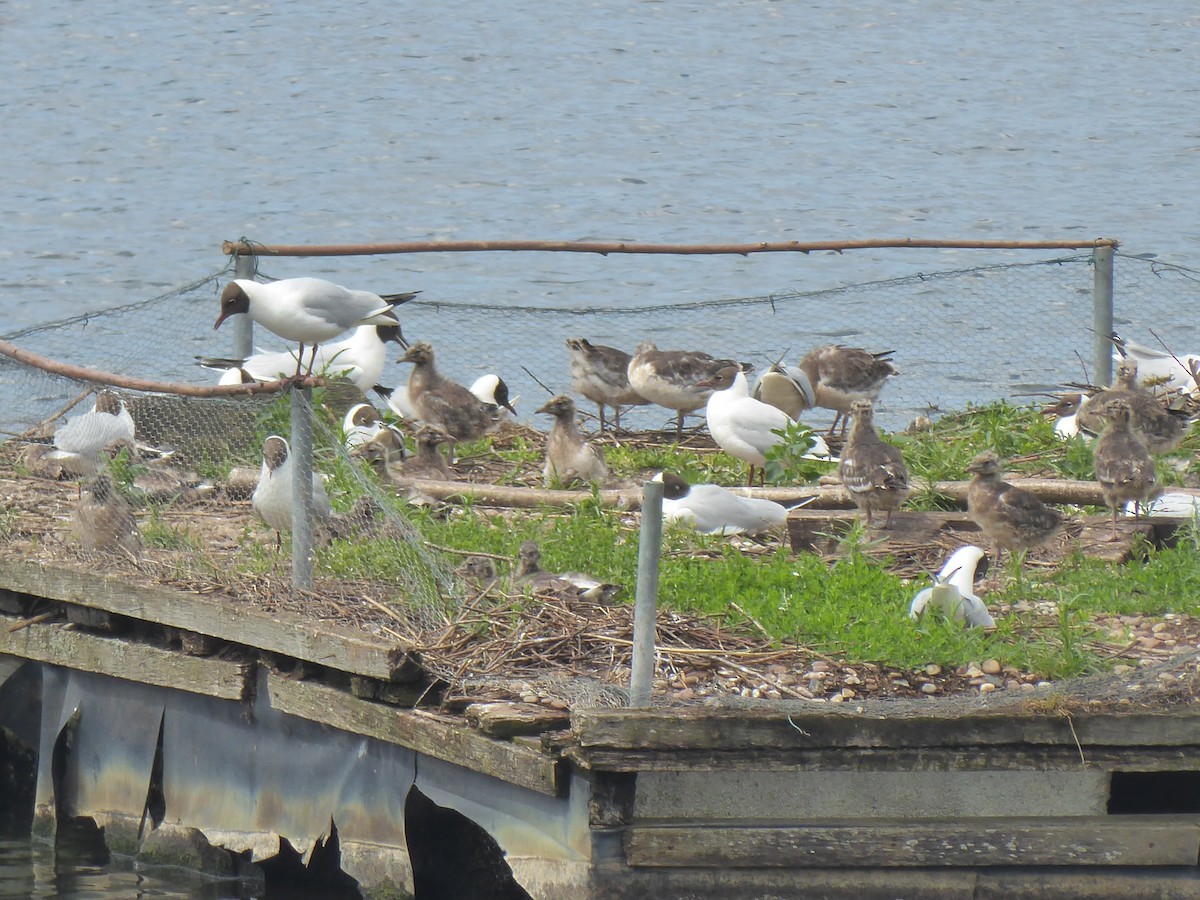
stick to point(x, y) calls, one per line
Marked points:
point(138, 136)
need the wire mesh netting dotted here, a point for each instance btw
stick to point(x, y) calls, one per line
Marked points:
point(169, 496)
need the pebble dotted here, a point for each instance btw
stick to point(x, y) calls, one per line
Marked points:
point(685, 694)
point(929, 688)
point(558, 704)
point(852, 680)
point(821, 666)
point(991, 667)
point(933, 670)
point(973, 672)
point(1123, 669)
point(848, 694)
point(986, 688)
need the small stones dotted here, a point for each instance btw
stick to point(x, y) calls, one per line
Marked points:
point(929, 688)
point(933, 670)
point(991, 667)
point(986, 687)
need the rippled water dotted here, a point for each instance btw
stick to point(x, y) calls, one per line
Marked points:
point(138, 136)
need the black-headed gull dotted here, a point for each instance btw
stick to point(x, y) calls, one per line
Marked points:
point(81, 446)
point(568, 456)
point(871, 469)
point(104, 521)
point(307, 310)
point(1065, 412)
point(272, 497)
point(786, 388)
point(1010, 517)
point(712, 509)
point(360, 358)
point(670, 377)
point(742, 426)
point(1122, 463)
point(493, 389)
point(440, 401)
point(601, 374)
point(953, 591)
point(360, 425)
point(839, 375)
point(1161, 430)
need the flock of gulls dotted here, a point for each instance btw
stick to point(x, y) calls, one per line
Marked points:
point(1130, 424)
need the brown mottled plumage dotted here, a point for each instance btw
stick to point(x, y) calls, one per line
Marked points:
point(602, 375)
point(1123, 464)
point(872, 471)
point(669, 377)
point(1010, 517)
point(839, 375)
point(428, 462)
point(568, 455)
point(1148, 417)
point(442, 402)
point(103, 520)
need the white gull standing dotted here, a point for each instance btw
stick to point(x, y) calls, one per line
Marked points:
point(307, 310)
point(742, 426)
point(272, 497)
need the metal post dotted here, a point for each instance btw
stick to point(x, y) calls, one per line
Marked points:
point(1102, 313)
point(645, 609)
point(302, 490)
point(243, 326)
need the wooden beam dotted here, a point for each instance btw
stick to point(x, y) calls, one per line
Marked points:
point(219, 617)
point(441, 738)
point(507, 720)
point(1121, 841)
point(769, 730)
point(61, 645)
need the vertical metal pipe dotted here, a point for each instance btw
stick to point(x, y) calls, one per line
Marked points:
point(302, 490)
point(1102, 312)
point(243, 326)
point(645, 609)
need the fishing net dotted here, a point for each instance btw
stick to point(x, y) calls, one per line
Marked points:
point(184, 479)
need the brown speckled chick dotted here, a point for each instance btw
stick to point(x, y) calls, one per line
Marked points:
point(872, 471)
point(568, 455)
point(1123, 465)
point(1010, 517)
point(104, 522)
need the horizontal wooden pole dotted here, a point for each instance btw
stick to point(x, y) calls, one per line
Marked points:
point(604, 248)
point(130, 382)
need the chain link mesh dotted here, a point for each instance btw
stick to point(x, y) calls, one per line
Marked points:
point(961, 337)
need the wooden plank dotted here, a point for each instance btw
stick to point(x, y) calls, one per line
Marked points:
point(506, 720)
point(1131, 841)
point(279, 632)
point(982, 758)
point(686, 729)
point(60, 645)
point(440, 738)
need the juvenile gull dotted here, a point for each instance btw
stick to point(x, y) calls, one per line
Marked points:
point(104, 521)
point(1123, 465)
point(1010, 517)
point(839, 375)
point(670, 378)
point(1161, 430)
point(568, 455)
point(872, 470)
point(442, 402)
point(601, 374)
point(307, 310)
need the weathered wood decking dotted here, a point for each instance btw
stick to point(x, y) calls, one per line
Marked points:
point(603, 803)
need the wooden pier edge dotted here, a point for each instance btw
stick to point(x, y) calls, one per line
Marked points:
point(278, 632)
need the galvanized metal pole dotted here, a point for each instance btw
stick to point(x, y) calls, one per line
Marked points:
point(1102, 312)
point(243, 326)
point(645, 609)
point(302, 490)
